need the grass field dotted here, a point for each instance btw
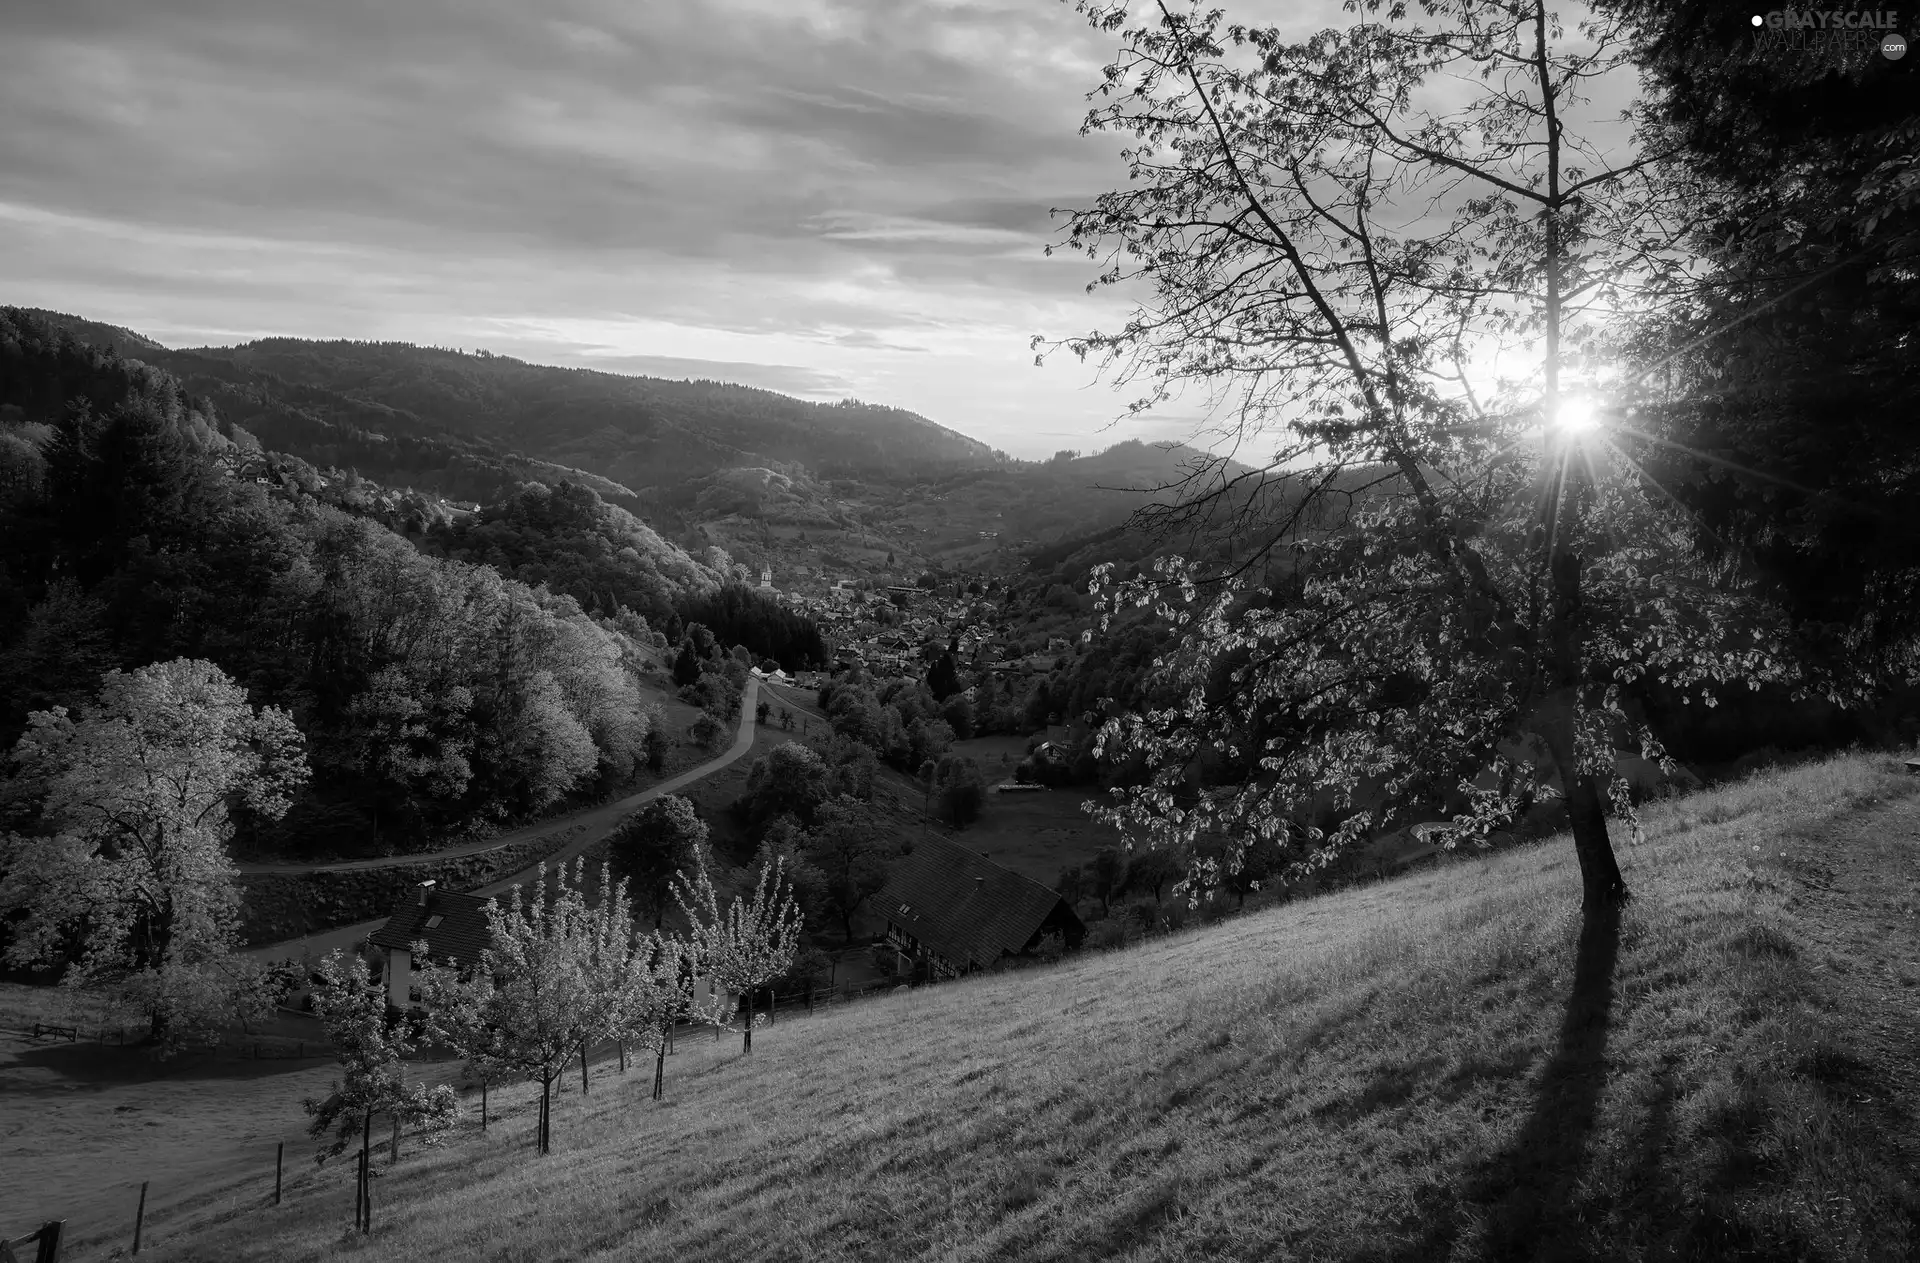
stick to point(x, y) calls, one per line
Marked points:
point(1400, 1071)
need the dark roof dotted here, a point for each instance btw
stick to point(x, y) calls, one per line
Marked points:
point(461, 933)
point(964, 906)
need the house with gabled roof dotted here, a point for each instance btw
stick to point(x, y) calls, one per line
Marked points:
point(953, 911)
point(453, 926)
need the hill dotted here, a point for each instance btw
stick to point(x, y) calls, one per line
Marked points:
point(813, 490)
point(1392, 1072)
point(643, 431)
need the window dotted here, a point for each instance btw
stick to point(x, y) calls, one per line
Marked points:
point(433, 922)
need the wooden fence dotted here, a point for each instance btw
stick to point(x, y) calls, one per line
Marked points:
point(42, 1245)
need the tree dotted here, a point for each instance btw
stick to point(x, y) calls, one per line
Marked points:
point(1108, 873)
point(686, 663)
point(1238, 870)
point(531, 1004)
point(371, 1045)
point(707, 731)
point(760, 712)
point(958, 712)
point(650, 846)
point(1071, 884)
point(943, 677)
point(658, 744)
point(653, 997)
point(747, 944)
point(1152, 870)
point(1790, 426)
point(127, 881)
point(851, 853)
point(1505, 573)
point(960, 788)
point(788, 780)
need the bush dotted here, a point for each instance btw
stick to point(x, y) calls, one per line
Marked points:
point(1107, 935)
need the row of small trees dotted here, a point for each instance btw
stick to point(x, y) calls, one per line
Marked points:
point(561, 973)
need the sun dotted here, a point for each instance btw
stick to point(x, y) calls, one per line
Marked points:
point(1577, 414)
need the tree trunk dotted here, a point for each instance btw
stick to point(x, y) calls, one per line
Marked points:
point(583, 1067)
point(660, 1073)
point(546, 1114)
point(393, 1149)
point(483, 1107)
point(1601, 885)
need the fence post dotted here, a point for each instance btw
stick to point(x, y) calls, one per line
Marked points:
point(139, 1216)
point(279, 1156)
point(49, 1239)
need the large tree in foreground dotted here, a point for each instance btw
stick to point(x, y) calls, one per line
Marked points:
point(126, 880)
point(1380, 250)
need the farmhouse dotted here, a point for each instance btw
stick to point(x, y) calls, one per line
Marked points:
point(453, 926)
point(952, 911)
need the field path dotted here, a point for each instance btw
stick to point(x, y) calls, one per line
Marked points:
point(597, 822)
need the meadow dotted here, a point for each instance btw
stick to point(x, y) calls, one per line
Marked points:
point(1443, 1066)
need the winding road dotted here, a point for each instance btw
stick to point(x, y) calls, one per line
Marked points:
point(598, 822)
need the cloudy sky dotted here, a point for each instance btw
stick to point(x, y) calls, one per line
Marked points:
point(823, 197)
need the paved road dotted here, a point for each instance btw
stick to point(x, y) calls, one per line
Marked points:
point(599, 822)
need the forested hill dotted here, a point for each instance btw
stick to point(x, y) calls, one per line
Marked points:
point(489, 677)
point(389, 445)
point(472, 426)
point(641, 431)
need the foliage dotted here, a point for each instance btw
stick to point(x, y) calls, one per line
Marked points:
point(789, 780)
point(537, 997)
point(126, 880)
point(850, 850)
point(1785, 360)
point(650, 846)
point(371, 1045)
point(437, 697)
point(743, 615)
point(959, 789)
point(747, 944)
point(1447, 579)
point(708, 732)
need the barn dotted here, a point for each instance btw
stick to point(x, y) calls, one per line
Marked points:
point(952, 911)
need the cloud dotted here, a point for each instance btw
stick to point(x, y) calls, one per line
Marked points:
point(812, 195)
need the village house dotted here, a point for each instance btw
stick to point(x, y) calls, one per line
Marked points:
point(951, 911)
point(453, 926)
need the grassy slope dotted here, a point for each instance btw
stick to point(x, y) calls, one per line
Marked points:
point(1390, 1072)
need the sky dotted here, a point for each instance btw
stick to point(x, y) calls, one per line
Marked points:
point(829, 198)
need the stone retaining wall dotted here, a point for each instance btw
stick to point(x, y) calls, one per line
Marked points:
point(277, 907)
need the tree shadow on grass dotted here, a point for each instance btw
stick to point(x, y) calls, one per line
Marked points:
point(1529, 1192)
point(1526, 1195)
